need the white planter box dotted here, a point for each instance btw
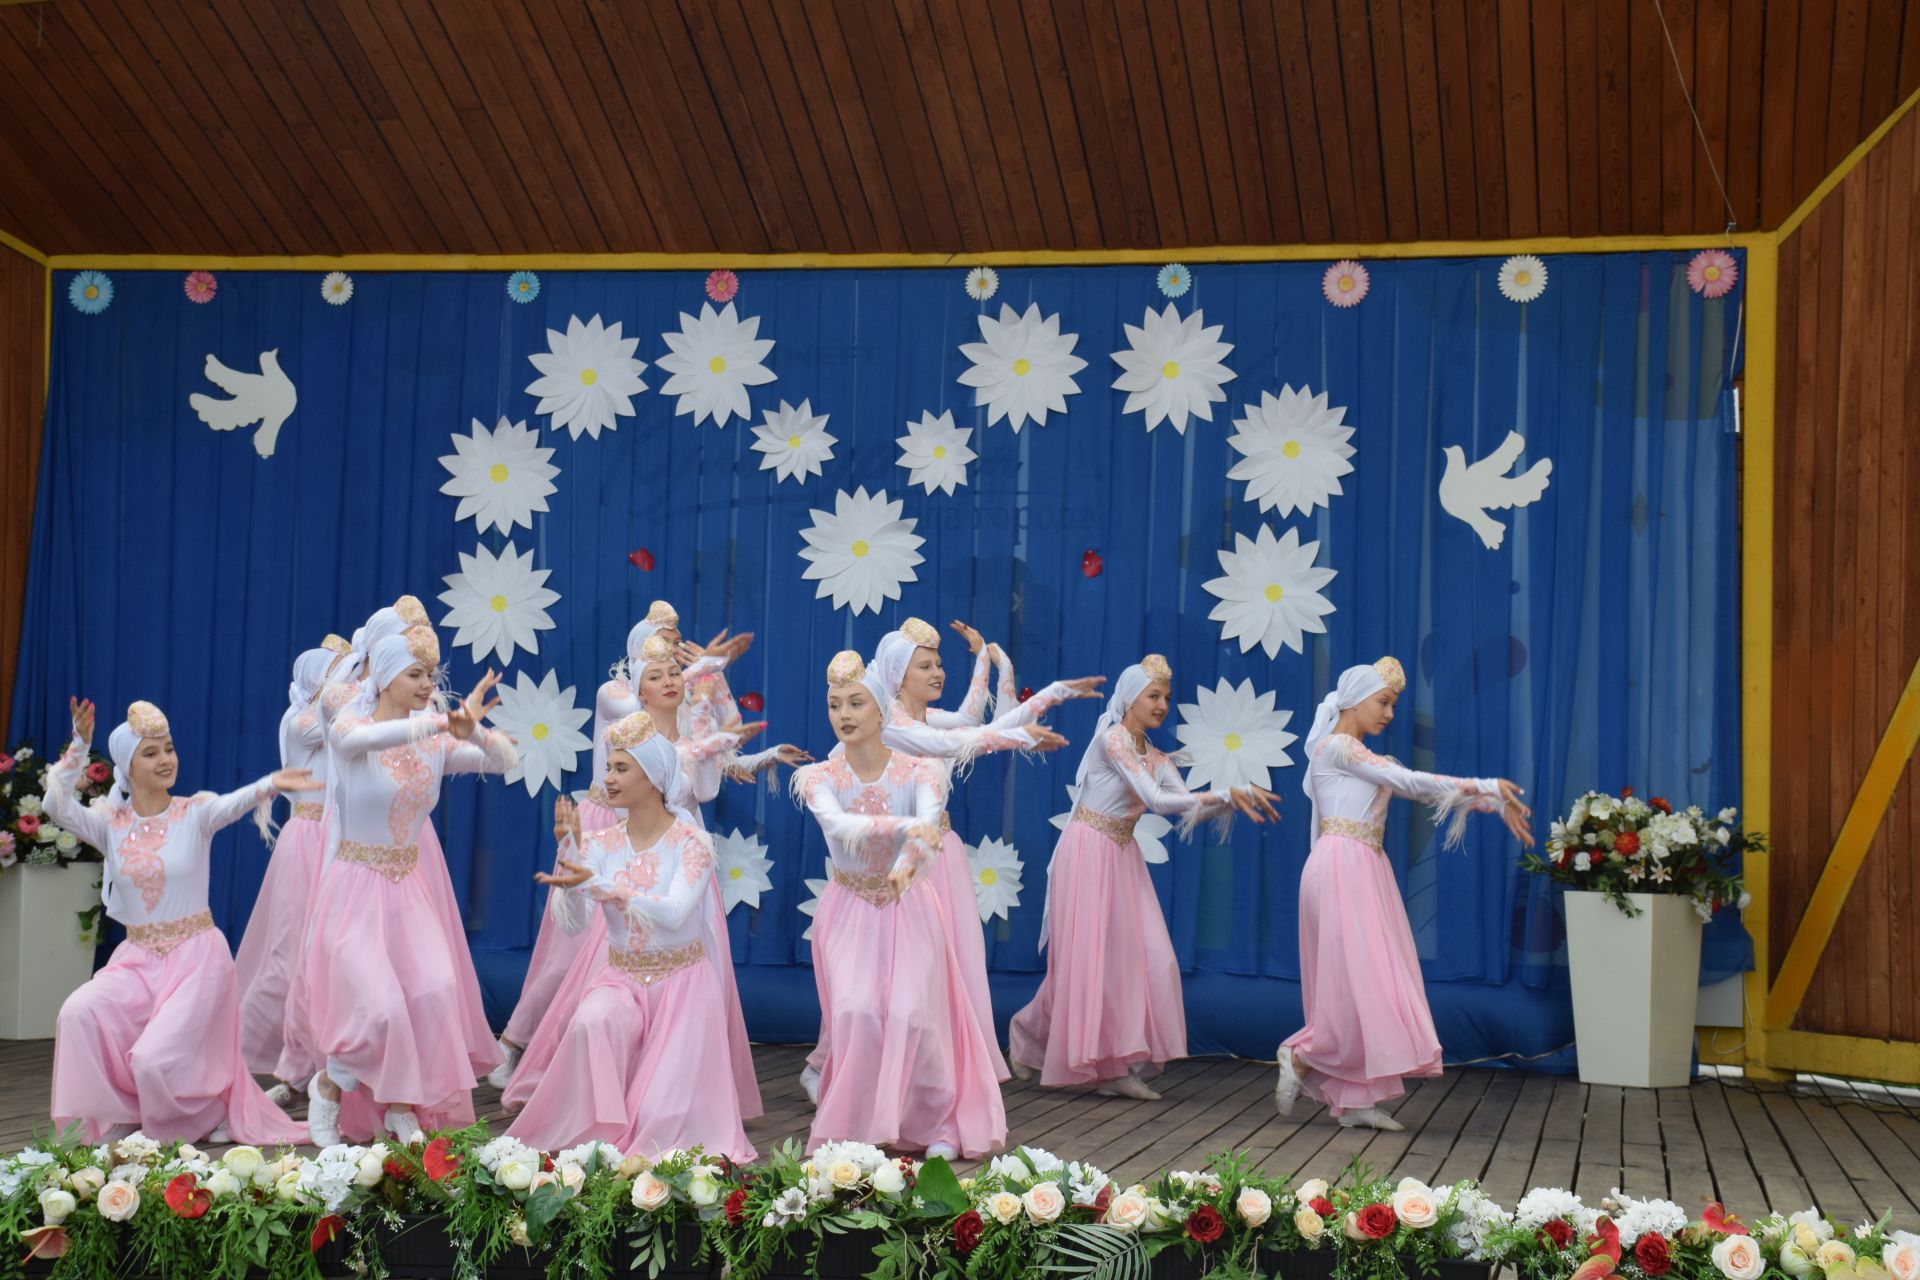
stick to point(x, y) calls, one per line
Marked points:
point(42, 960)
point(1636, 981)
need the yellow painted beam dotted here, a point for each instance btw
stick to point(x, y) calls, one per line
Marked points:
point(1845, 167)
point(1897, 1061)
point(22, 248)
point(1843, 864)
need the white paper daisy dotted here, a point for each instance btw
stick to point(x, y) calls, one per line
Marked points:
point(1296, 451)
point(545, 725)
point(1024, 369)
point(862, 551)
point(588, 377)
point(982, 283)
point(501, 476)
point(498, 603)
point(1172, 368)
point(812, 905)
point(741, 864)
point(1523, 278)
point(336, 287)
point(1233, 737)
point(795, 442)
point(935, 452)
point(1271, 591)
point(714, 359)
point(1147, 832)
point(996, 877)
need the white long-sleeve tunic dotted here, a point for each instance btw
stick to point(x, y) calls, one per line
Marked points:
point(649, 895)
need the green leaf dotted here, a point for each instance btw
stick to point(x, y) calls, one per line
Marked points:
point(542, 1207)
point(1098, 1253)
point(940, 1191)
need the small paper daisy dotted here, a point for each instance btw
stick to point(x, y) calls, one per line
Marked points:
point(1712, 273)
point(200, 286)
point(337, 288)
point(523, 286)
point(722, 285)
point(982, 283)
point(1523, 278)
point(90, 292)
point(1345, 283)
point(1175, 280)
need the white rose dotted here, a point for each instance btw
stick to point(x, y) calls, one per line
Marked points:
point(87, 1182)
point(1415, 1207)
point(243, 1161)
point(1902, 1261)
point(514, 1175)
point(844, 1175)
point(650, 1193)
point(1004, 1206)
point(1127, 1211)
point(1160, 1216)
point(1012, 1168)
point(369, 1171)
point(888, 1180)
point(1043, 1201)
point(118, 1201)
point(1835, 1253)
point(1255, 1206)
point(1739, 1258)
point(1797, 1262)
point(287, 1187)
point(1351, 1227)
point(55, 1204)
point(1727, 815)
point(572, 1177)
point(29, 804)
point(379, 1152)
point(223, 1182)
point(703, 1190)
point(1309, 1224)
point(1310, 1190)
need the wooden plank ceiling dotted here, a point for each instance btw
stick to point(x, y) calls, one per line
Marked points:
point(517, 126)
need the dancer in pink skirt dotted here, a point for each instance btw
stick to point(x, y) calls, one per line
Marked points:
point(908, 1064)
point(1368, 1027)
point(385, 979)
point(635, 1064)
point(152, 1041)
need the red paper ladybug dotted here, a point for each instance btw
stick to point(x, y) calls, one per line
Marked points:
point(642, 559)
point(1026, 691)
point(752, 702)
point(1091, 564)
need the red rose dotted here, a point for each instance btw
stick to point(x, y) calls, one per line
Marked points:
point(324, 1232)
point(1626, 793)
point(967, 1230)
point(439, 1161)
point(394, 1169)
point(1205, 1224)
point(186, 1198)
point(1558, 1230)
point(1650, 1251)
point(1626, 844)
point(98, 772)
point(28, 825)
point(6, 763)
point(1660, 804)
point(1322, 1206)
point(737, 1207)
point(1377, 1221)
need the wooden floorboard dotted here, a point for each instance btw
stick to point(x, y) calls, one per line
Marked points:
point(1853, 1152)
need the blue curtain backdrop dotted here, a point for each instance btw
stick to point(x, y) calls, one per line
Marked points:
point(1597, 647)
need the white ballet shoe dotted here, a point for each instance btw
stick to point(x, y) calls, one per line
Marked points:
point(1286, 1091)
point(501, 1076)
point(810, 1081)
point(402, 1125)
point(1371, 1118)
point(1021, 1071)
point(1127, 1086)
point(281, 1094)
point(323, 1114)
point(943, 1150)
point(219, 1137)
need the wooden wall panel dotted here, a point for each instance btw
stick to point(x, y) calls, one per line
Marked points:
point(23, 357)
point(1847, 577)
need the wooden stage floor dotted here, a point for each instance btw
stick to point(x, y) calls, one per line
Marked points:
point(1852, 1150)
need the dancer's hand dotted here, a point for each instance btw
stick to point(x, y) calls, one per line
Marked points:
point(728, 647)
point(900, 879)
point(464, 719)
point(975, 641)
point(566, 821)
point(996, 654)
point(744, 730)
point(287, 781)
point(1514, 813)
point(82, 711)
point(791, 756)
point(1085, 686)
point(566, 875)
point(1045, 739)
point(1257, 803)
point(686, 653)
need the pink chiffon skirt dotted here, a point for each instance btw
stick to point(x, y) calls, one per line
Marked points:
point(154, 1041)
point(1368, 1026)
point(1110, 1002)
point(907, 1064)
point(644, 1067)
point(270, 948)
point(554, 950)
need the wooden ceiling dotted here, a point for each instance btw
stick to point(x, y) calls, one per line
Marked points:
point(236, 127)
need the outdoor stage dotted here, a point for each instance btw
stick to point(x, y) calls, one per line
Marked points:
point(1848, 1149)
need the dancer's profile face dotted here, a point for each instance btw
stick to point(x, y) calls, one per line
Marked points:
point(154, 765)
point(413, 687)
point(1376, 712)
point(854, 713)
point(626, 783)
point(661, 685)
point(1149, 710)
point(925, 677)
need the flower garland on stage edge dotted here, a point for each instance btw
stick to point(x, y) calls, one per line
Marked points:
point(142, 1208)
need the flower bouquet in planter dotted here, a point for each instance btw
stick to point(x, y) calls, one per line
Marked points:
point(1371, 1229)
point(27, 835)
point(845, 1210)
point(1620, 845)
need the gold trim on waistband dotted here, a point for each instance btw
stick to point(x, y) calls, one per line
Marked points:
point(1366, 833)
point(309, 810)
point(873, 887)
point(394, 861)
point(1111, 825)
point(158, 939)
point(649, 967)
point(946, 823)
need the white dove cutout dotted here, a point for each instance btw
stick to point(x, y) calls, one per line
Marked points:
point(1468, 492)
point(266, 397)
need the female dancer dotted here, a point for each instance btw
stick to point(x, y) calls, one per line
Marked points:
point(637, 1062)
point(1368, 1025)
point(908, 1064)
point(1109, 1012)
point(387, 986)
point(152, 1041)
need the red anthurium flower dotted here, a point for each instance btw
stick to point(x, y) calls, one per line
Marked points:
point(1718, 1219)
point(1091, 564)
point(186, 1198)
point(325, 1231)
point(439, 1160)
point(1605, 1240)
point(1598, 1267)
point(642, 559)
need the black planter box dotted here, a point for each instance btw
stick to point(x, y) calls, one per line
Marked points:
point(421, 1250)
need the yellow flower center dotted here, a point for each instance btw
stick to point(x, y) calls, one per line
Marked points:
point(1171, 369)
point(1522, 277)
point(1291, 448)
point(988, 876)
point(793, 442)
point(539, 733)
point(718, 364)
point(939, 452)
point(1232, 742)
point(860, 548)
point(499, 604)
point(338, 285)
point(588, 377)
point(1711, 273)
point(523, 286)
point(1274, 593)
point(1022, 367)
point(497, 473)
point(733, 873)
point(94, 292)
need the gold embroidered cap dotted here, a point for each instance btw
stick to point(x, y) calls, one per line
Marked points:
point(630, 731)
point(334, 644)
point(1388, 669)
point(847, 667)
point(661, 614)
point(656, 648)
point(411, 611)
point(921, 633)
point(1156, 668)
point(423, 645)
point(146, 720)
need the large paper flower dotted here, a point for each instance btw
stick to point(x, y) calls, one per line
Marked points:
point(1233, 737)
point(1296, 451)
point(794, 441)
point(935, 452)
point(1024, 369)
point(588, 377)
point(501, 476)
point(90, 292)
point(498, 603)
point(812, 905)
point(1271, 591)
point(1147, 832)
point(862, 551)
point(1345, 283)
point(1523, 278)
point(713, 360)
point(1172, 368)
point(1712, 273)
point(545, 725)
point(996, 877)
point(337, 288)
point(741, 865)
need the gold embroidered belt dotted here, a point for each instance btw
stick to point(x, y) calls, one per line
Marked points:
point(394, 861)
point(158, 939)
point(649, 967)
point(309, 810)
point(1112, 826)
point(946, 823)
point(872, 887)
point(1354, 829)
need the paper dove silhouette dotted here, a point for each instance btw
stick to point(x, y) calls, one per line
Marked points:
point(1469, 492)
point(266, 397)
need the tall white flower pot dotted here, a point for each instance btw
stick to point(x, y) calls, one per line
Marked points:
point(1636, 981)
point(42, 959)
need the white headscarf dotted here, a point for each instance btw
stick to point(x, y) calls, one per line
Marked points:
point(309, 677)
point(380, 625)
point(1355, 686)
point(888, 667)
point(389, 657)
point(1132, 683)
point(659, 759)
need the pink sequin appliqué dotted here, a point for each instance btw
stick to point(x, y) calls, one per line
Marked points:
point(413, 791)
point(695, 857)
point(876, 847)
point(140, 861)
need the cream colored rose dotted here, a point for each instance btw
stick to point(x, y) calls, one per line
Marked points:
point(514, 1175)
point(1350, 1225)
point(1127, 1211)
point(650, 1193)
point(1255, 1206)
point(1796, 1262)
point(541, 1178)
point(1835, 1253)
point(703, 1190)
point(572, 1177)
point(1415, 1207)
point(244, 1161)
point(1739, 1258)
point(634, 1166)
point(1004, 1206)
point(1901, 1260)
point(287, 1186)
point(223, 1182)
point(888, 1180)
point(55, 1204)
point(118, 1201)
point(1310, 1190)
point(1310, 1225)
point(369, 1171)
point(845, 1175)
point(86, 1183)
point(1043, 1201)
